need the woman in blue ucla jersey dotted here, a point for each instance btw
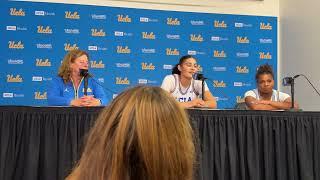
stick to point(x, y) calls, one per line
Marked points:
point(184, 88)
point(264, 97)
point(67, 89)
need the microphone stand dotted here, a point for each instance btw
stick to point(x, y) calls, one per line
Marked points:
point(292, 94)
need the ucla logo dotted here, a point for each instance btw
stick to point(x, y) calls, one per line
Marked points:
point(14, 45)
point(72, 15)
point(39, 96)
point(200, 69)
point(68, 47)
point(243, 70)
point(119, 80)
point(242, 40)
point(16, 79)
point(264, 26)
point(146, 35)
point(219, 54)
point(122, 18)
point(43, 30)
point(96, 32)
point(218, 84)
point(219, 24)
point(98, 65)
point(263, 55)
point(239, 99)
point(173, 22)
point(15, 12)
point(172, 52)
point(123, 50)
point(197, 38)
point(43, 62)
point(146, 66)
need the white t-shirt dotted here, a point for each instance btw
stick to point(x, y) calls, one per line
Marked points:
point(171, 83)
point(276, 95)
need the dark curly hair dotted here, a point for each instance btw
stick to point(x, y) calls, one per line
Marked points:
point(264, 69)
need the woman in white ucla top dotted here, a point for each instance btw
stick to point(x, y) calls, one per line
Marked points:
point(265, 97)
point(184, 88)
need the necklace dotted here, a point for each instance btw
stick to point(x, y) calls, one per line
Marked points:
point(186, 91)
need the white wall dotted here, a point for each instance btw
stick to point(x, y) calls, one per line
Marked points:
point(300, 49)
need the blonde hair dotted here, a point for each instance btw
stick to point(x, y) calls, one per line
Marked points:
point(64, 70)
point(144, 135)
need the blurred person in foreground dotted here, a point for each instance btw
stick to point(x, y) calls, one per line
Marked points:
point(264, 97)
point(67, 89)
point(142, 135)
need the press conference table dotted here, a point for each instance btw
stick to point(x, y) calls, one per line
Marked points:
point(42, 143)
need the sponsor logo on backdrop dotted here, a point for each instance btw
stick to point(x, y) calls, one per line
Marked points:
point(98, 16)
point(242, 69)
point(15, 12)
point(265, 26)
point(7, 95)
point(43, 62)
point(15, 45)
point(123, 65)
point(146, 81)
point(40, 96)
point(15, 61)
point(98, 65)
point(14, 79)
point(173, 21)
point(240, 99)
point(123, 18)
point(96, 48)
point(243, 40)
point(217, 38)
point(221, 98)
point(148, 51)
point(193, 52)
point(265, 41)
point(219, 69)
point(263, 55)
point(98, 33)
point(241, 25)
point(72, 31)
point(147, 66)
point(69, 47)
point(44, 13)
point(11, 28)
point(120, 33)
point(220, 24)
point(44, 46)
point(242, 54)
point(146, 35)
point(120, 80)
point(240, 84)
point(219, 84)
point(46, 78)
point(196, 37)
point(200, 69)
point(173, 36)
point(44, 30)
point(72, 15)
point(172, 52)
point(146, 20)
point(219, 54)
point(123, 50)
point(101, 80)
point(36, 78)
point(167, 66)
point(197, 23)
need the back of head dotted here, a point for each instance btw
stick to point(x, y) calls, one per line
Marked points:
point(142, 134)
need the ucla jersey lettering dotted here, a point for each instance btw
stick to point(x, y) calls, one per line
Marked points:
point(184, 99)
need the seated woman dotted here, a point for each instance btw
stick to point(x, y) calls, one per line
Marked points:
point(142, 135)
point(184, 88)
point(67, 89)
point(265, 97)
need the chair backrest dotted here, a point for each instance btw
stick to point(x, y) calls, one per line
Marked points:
point(241, 106)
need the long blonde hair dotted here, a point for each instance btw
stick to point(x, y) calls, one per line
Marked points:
point(64, 70)
point(143, 135)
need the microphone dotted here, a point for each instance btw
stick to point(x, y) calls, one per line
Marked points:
point(287, 81)
point(198, 76)
point(84, 73)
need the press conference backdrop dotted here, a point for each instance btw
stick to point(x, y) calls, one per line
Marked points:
point(128, 47)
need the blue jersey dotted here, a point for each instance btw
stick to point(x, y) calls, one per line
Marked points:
point(61, 94)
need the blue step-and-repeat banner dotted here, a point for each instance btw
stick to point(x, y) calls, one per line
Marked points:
point(128, 47)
